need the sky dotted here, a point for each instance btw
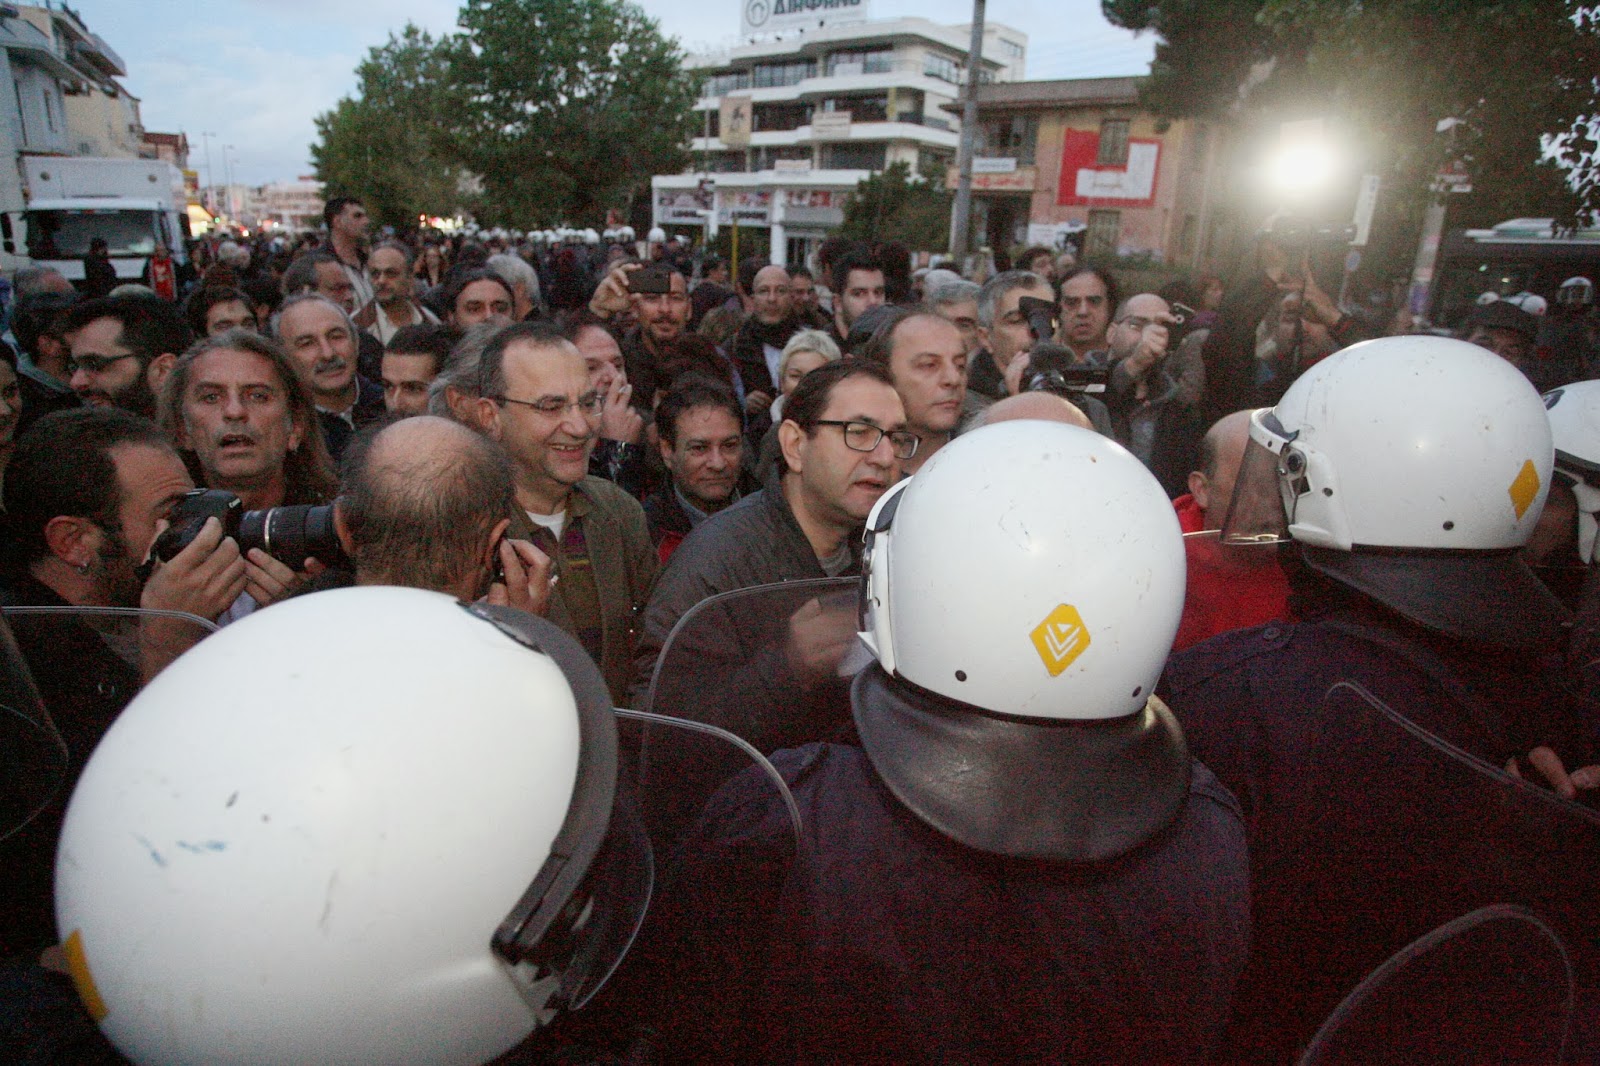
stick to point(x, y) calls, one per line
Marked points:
point(255, 73)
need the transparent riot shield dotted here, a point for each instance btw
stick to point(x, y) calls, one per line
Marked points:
point(1388, 833)
point(33, 757)
point(770, 664)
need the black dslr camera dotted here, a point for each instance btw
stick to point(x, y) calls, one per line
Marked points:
point(290, 535)
point(1051, 367)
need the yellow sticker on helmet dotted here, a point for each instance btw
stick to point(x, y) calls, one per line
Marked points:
point(78, 967)
point(1525, 489)
point(1061, 638)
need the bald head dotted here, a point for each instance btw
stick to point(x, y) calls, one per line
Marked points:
point(769, 295)
point(1221, 452)
point(1039, 406)
point(423, 503)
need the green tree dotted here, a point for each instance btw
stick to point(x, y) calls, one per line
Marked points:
point(565, 107)
point(384, 145)
point(893, 206)
point(1517, 72)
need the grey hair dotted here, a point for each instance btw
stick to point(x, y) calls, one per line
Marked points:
point(516, 270)
point(275, 328)
point(953, 292)
point(460, 370)
point(997, 286)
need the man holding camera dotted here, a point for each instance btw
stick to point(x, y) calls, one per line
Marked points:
point(1003, 330)
point(1154, 394)
point(658, 296)
point(87, 492)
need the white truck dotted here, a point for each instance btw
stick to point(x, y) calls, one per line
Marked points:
point(132, 203)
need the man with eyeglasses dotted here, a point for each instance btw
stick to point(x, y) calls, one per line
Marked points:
point(395, 305)
point(1153, 396)
point(121, 349)
point(537, 401)
point(842, 442)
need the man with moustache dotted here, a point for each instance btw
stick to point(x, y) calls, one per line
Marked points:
point(121, 349)
point(321, 341)
point(536, 398)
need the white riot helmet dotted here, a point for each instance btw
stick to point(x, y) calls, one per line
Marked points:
point(1575, 426)
point(1576, 292)
point(1412, 469)
point(368, 825)
point(1031, 573)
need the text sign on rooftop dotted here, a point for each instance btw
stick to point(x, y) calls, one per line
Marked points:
point(772, 16)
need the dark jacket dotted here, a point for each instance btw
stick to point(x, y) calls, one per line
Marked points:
point(84, 685)
point(1364, 833)
point(624, 565)
point(755, 542)
point(886, 942)
point(984, 377)
point(749, 352)
point(369, 409)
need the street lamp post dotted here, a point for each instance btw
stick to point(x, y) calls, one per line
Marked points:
point(211, 175)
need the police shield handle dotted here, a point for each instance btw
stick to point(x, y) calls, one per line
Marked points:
point(819, 638)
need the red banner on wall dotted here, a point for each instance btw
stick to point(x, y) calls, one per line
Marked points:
point(1085, 183)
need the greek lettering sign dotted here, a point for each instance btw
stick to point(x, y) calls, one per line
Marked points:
point(770, 16)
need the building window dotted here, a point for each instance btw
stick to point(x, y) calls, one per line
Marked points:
point(723, 84)
point(875, 61)
point(777, 75)
point(1101, 240)
point(861, 108)
point(847, 156)
point(1010, 49)
point(936, 65)
point(1013, 137)
point(780, 117)
point(1113, 143)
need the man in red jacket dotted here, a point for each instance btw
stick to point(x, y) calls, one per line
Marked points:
point(1229, 588)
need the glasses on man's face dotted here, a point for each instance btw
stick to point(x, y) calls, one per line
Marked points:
point(556, 406)
point(1136, 323)
point(94, 364)
point(864, 437)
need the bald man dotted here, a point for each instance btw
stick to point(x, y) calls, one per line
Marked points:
point(758, 346)
point(424, 505)
point(1041, 406)
point(1229, 587)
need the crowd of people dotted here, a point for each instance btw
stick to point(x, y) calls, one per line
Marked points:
point(998, 863)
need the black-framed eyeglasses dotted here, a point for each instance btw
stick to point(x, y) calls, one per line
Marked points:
point(94, 364)
point(589, 403)
point(864, 437)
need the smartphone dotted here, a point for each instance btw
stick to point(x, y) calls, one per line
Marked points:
point(650, 280)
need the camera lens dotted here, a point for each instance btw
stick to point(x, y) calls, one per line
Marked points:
point(292, 535)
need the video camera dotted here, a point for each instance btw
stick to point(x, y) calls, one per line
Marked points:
point(290, 535)
point(1298, 236)
point(1051, 366)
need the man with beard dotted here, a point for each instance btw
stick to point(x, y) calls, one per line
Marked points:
point(537, 400)
point(758, 346)
point(121, 349)
point(86, 493)
point(662, 318)
point(321, 341)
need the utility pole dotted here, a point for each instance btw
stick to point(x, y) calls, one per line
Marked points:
point(961, 210)
point(211, 175)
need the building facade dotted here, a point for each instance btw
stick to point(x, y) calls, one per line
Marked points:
point(1076, 161)
point(791, 126)
point(102, 117)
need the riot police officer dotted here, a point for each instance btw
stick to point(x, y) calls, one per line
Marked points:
point(1018, 861)
point(1402, 477)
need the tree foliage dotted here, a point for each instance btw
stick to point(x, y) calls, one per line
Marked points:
point(383, 144)
point(536, 112)
point(894, 206)
point(1517, 72)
